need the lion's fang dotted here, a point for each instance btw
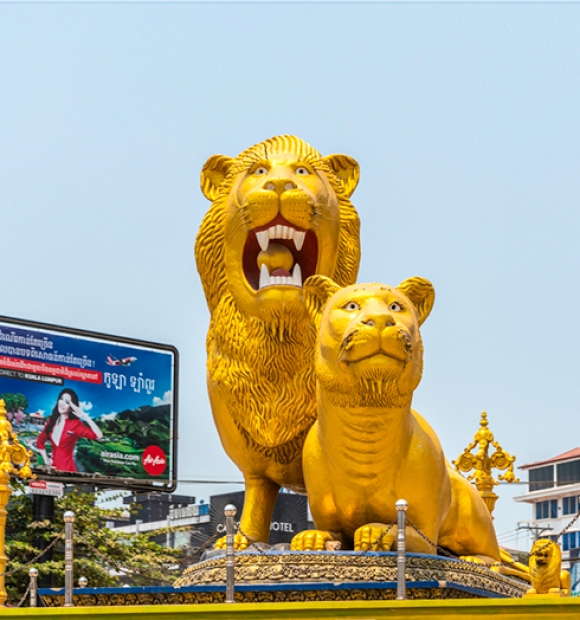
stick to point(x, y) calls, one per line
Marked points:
point(263, 239)
point(264, 277)
point(299, 241)
point(297, 275)
point(280, 232)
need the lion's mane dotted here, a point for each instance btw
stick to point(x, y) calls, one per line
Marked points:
point(545, 576)
point(273, 420)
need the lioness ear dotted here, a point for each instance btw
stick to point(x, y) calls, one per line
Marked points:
point(421, 292)
point(346, 169)
point(213, 174)
point(317, 291)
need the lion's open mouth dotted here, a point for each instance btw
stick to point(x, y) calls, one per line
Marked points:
point(279, 253)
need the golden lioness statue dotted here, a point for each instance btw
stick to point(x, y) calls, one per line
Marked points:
point(546, 571)
point(368, 448)
point(280, 213)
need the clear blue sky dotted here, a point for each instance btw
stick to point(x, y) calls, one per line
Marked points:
point(464, 118)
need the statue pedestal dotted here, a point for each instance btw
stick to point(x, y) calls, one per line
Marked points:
point(349, 575)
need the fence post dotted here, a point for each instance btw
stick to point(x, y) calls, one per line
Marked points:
point(401, 506)
point(69, 519)
point(230, 512)
point(33, 574)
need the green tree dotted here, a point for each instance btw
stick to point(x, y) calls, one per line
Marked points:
point(10, 402)
point(14, 402)
point(105, 557)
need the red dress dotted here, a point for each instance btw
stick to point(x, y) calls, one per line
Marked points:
point(62, 455)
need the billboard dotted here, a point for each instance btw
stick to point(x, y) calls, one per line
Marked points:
point(290, 514)
point(92, 408)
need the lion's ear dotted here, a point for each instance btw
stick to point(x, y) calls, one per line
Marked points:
point(317, 291)
point(421, 292)
point(346, 169)
point(213, 174)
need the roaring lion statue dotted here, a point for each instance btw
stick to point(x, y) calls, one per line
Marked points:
point(280, 213)
point(546, 571)
point(368, 448)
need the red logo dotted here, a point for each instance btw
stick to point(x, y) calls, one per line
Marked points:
point(153, 460)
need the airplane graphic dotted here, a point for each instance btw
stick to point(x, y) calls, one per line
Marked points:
point(124, 361)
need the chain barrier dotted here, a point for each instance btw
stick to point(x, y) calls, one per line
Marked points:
point(107, 560)
point(568, 526)
point(371, 547)
point(206, 544)
point(446, 553)
point(80, 541)
point(377, 541)
point(35, 558)
point(441, 550)
point(539, 550)
point(258, 549)
point(19, 604)
point(493, 564)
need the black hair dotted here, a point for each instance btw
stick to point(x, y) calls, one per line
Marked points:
point(55, 414)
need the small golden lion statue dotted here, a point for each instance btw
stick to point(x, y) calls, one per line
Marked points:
point(546, 572)
point(368, 448)
point(280, 213)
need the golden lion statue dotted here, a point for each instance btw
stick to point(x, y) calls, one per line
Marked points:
point(546, 571)
point(280, 213)
point(368, 448)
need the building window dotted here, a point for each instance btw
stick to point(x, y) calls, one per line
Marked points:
point(541, 510)
point(547, 509)
point(542, 478)
point(570, 505)
point(570, 541)
point(569, 473)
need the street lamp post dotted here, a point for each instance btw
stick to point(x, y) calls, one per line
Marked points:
point(33, 574)
point(401, 507)
point(69, 520)
point(230, 512)
point(14, 459)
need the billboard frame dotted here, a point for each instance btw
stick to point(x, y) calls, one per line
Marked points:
point(95, 479)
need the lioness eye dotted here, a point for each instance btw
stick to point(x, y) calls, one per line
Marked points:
point(351, 305)
point(261, 170)
point(395, 307)
point(302, 171)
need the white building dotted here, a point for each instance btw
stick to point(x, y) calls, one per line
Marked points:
point(554, 492)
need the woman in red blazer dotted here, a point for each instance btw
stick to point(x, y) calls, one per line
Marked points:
point(63, 429)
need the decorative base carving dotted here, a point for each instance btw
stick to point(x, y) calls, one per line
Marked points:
point(355, 571)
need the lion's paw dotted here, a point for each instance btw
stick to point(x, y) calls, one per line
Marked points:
point(240, 542)
point(374, 537)
point(311, 540)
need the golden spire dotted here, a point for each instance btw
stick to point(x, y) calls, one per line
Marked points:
point(482, 464)
point(11, 453)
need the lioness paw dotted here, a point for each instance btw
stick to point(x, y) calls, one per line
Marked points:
point(311, 540)
point(374, 537)
point(240, 542)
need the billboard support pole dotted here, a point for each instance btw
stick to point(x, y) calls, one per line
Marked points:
point(69, 519)
point(230, 512)
point(43, 510)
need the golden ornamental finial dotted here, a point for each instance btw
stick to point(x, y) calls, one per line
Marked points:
point(12, 452)
point(482, 463)
point(14, 459)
